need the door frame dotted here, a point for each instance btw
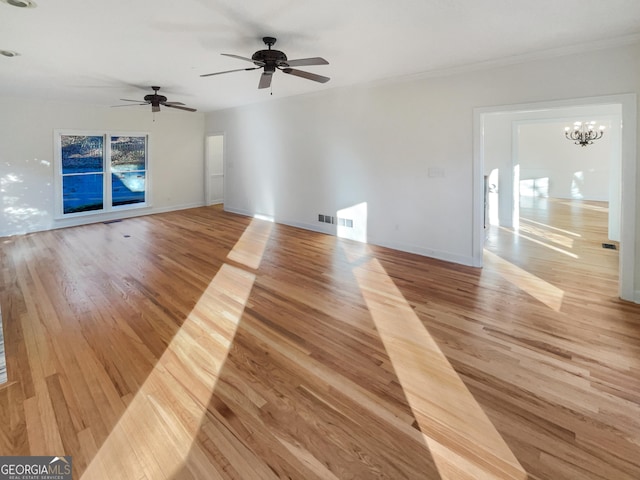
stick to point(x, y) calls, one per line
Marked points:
point(626, 283)
point(207, 192)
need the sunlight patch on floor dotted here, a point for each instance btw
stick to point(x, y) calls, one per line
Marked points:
point(538, 242)
point(249, 249)
point(545, 234)
point(550, 227)
point(586, 206)
point(538, 288)
point(157, 431)
point(461, 438)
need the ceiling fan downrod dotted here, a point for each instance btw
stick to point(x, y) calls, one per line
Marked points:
point(269, 41)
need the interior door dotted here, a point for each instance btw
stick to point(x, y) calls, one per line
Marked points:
point(215, 169)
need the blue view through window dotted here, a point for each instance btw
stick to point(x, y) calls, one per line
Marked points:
point(128, 170)
point(82, 173)
point(102, 172)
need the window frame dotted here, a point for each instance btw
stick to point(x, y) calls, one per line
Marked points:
point(107, 187)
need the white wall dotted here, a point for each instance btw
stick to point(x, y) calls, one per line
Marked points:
point(26, 158)
point(297, 157)
point(573, 171)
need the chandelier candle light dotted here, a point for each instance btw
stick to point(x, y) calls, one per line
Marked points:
point(583, 133)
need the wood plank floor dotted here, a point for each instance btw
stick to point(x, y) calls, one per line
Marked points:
point(201, 344)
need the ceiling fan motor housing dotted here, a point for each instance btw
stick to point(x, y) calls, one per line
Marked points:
point(270, 59)
point(155, 99)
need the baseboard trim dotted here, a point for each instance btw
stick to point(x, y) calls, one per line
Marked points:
point(331, 230)
point(104, 217)
point(427, 252)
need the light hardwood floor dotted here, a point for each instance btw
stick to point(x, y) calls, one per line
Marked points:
point(201, 344)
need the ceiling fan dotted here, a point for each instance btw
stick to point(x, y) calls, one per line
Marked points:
point(272, 60)
point(155, 100)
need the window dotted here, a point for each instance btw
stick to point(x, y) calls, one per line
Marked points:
point(98, 173)
point(82, 173)
point(128, 170)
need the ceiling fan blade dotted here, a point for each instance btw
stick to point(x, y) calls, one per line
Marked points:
point(303, 62)
point(127, 100)
point(307, 75)
point(128, 105)
point(265, 80)
point(188, 109)
point(229, 71)
point(155, 108)
point(170, 104)
point(243, 58)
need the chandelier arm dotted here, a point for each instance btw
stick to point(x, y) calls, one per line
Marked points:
point(583, 134)
point(574, 135)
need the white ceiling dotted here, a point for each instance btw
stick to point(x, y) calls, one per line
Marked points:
point(100, 51)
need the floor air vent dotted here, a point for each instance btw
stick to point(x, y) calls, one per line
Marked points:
point(610, 246)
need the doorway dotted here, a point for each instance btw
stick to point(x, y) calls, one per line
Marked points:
point(214, 170)
point(509, 115)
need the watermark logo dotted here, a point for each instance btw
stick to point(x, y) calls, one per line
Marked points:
point(35, 468)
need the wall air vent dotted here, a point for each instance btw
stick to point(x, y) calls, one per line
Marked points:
point(326, 218)
point(345, 222)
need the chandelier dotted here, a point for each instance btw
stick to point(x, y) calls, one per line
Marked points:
point(583, 133)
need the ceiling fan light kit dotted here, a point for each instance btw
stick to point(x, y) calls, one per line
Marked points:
point(270, 60)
